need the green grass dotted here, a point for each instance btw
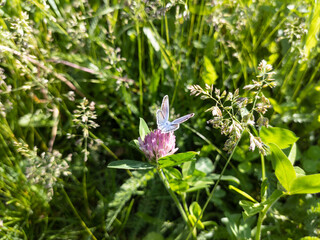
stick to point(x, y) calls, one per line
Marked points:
point(125, 56)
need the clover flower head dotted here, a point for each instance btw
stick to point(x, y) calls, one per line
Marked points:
point(158, 144)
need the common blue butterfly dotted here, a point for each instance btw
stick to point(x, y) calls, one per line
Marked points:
point(163, 117)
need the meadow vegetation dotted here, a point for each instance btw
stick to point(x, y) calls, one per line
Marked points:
point(80, 85)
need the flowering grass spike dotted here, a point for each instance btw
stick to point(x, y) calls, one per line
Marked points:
point(233, 114)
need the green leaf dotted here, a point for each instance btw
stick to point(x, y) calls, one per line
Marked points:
point(37, 119)
point(245, 167)
point(236, 227)
point(198, 45)
point(143, 129)
point(106, 10)
point(188, 169)
point(55, 8)
point(293, 153)
point(309, 238)
point(178, 185)
point(274, 196)
point(280, 136)
point(276, 106)
point(176, 159)
point(246, 195)
point(305, 184)
point(299, 171)
point(195, 209)
point(250, 208)
point(152, 38)
point(205, 165)
point(197, 187)
point(283, 167)
point(310, 165)
point(209, 76)
point(124, 194)
point(242, 154)
point(193, 219)
point(313, 153)
point(313, 31)
point(172, 173)
point(215, 176)
point(130, 165)
point(198, 180)
point(135, 144)
point(310, 160)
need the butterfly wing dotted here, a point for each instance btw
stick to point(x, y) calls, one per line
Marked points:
point(169, 128)
point(160, 118)
point(165, 107)
point(182, 119)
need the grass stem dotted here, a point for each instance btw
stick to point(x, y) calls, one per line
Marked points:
point(83, 224)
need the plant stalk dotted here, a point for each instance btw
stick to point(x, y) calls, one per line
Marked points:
point(140, 67)
point(262, 216)
point(175, 199)
point(263, 168)
point(215, 185)
point(83, 224)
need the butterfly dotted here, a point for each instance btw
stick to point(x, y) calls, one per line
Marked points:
point(163, 117)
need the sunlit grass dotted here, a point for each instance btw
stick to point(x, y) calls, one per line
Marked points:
point(116, 60)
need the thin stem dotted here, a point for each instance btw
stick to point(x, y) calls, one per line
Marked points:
point(216, 184)
point(199, 31)
point(185, 206)
point(84, 178)
point(172, 194)
point(167, 29)
point(177, 83)
point(191, 29)
point(259, 224)
point(174, 197)
point(262, 215)
point(263, 168)
point(104, 146)
point(83, 224)
point(256, 99)
point(140, 67)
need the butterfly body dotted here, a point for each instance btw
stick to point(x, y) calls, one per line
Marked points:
point(163, 117)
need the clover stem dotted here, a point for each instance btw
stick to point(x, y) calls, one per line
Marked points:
point(174, 197)
point(184, 203)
